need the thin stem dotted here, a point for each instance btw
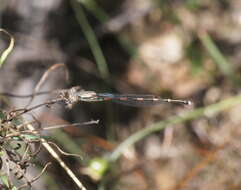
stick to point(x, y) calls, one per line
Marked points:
point(205, 111)
point(25, 96)
point(23, 111)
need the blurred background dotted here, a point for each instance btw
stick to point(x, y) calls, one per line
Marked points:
point(181, 49)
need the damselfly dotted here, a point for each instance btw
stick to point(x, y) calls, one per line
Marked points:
point(74, 95)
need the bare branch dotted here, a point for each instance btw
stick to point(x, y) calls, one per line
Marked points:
point(44, 78)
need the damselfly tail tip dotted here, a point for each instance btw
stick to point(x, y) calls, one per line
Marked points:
point(183, 102)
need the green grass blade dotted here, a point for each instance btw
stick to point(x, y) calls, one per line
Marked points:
point(205, 111)
point(103, 18)
point(217, 56)
point(93, 7)
point(92, 40)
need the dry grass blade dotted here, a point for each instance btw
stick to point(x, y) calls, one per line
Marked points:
point(26, 134)
point(62, 164)
point(35, 178)
point(7, 51)
point(63, 152)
